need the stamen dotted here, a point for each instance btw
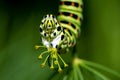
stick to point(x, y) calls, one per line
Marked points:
point(65, 65)
point(52, 67)
point(56, 62)
point(54, 56)
point(37, 47)
point(40, 56)
point(59, 68)
point(43, 64)
point(53, 53)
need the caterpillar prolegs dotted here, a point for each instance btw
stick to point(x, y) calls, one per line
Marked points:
point(60, 33)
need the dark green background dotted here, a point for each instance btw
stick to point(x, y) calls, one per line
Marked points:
point(19, 32)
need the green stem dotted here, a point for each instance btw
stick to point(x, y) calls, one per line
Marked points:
point(75, 75)
point(79, 73)
point(65, 77)
point(101, 67)
point(94, 71)
point(71, 76)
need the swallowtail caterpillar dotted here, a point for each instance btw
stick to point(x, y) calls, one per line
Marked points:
point(60, 33)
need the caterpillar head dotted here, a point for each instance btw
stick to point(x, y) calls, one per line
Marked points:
point(50, 28)
point(48, 22)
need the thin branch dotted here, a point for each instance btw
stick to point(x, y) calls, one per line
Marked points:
point(79, 73)
point(101, 67)
point(94, 71)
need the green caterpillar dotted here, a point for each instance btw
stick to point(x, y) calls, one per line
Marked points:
point(60, 33)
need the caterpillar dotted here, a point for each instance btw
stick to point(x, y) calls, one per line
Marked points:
point(60, 33)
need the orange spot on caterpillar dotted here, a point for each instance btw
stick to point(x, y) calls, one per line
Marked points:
point(63, 3)
point(71, 15)
point(78, 18)
point(69, 23)
point(79, 5)
point(72, 44)
point(60, 13)
point(73, 4)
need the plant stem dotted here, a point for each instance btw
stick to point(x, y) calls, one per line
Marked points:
point(78, 70)
point(75, 75)
point(101, 67)
point(94, 71)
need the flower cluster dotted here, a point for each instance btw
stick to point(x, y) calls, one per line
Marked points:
point(53, 56)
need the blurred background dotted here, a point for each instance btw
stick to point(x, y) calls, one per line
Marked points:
point(19, 32)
